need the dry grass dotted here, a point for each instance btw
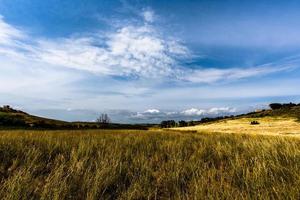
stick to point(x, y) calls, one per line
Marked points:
point(267, 126)
point(147, 165)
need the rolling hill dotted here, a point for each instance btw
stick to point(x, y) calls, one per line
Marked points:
point(153, 164)
point(279, 121)
point(282, 120)
point(15, 119)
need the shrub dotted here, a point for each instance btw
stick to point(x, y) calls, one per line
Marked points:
point(254, 123)
point(275, 106)
point(182, 123)
point(168, 124)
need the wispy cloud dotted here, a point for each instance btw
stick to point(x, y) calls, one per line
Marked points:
point(212, 75)
point(132, 50)
point(8, 34)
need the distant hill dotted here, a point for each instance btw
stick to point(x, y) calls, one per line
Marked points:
point(15, 119)
point(287, 110)
point(282, 120)
point(280, 110)
point(12, 118)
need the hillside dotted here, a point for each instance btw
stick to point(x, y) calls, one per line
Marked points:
point(281, 121)
point(10, 117)
point(16, 119)
point(286, 111)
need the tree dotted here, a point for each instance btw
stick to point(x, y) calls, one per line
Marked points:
point(289, 105)
point(103, 119)
point(191, 123)
point(168, 124)
point(182, 123)
point(275, 106)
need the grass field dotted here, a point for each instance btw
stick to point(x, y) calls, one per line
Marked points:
point(268, 126)
point(93, 164)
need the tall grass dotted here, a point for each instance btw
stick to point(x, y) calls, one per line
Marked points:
point(147, 165)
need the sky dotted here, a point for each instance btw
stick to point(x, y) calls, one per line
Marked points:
point(147, 61)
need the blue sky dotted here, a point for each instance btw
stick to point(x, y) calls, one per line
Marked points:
point(144, 61)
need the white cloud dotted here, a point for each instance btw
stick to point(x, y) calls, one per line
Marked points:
point(201, 112)
point(148, 15)
point(214, 75)
point(33, 80)
point(155, 115)
point(152, 111)
point(221, 110)
point(193, 112)
point(9, 34)
point(131, 50)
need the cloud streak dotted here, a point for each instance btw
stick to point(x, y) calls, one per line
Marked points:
point(133, 51)
point(8, 34)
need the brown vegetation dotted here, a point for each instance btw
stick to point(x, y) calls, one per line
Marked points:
point(111, 164)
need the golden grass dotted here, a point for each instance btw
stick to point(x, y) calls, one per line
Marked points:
point(267, 126)
point(121, 164)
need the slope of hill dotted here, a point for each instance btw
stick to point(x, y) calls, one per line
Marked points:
point(11, 118)
point(292, 111)
point(283, 121)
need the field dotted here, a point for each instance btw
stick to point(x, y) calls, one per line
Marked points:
point(283, 126)
point(120, 164)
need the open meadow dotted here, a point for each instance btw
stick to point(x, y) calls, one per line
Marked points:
point(128, 164)
point(149, 100)
point(280, 126)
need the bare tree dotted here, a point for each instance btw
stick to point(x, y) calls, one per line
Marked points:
point(103, 119)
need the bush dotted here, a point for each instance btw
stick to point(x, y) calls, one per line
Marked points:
point(275, 106)
point(12, 121)
point(168, 124)
point(254, 123)
point(182, 123)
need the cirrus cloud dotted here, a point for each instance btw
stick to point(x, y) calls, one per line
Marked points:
point(132, 50)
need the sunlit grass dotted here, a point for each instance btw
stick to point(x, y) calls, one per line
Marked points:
point(266, 126)
point(147, 165)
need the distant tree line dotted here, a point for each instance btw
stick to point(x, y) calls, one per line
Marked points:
point(173, 123)
point(182, 123)
point(212, 119)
